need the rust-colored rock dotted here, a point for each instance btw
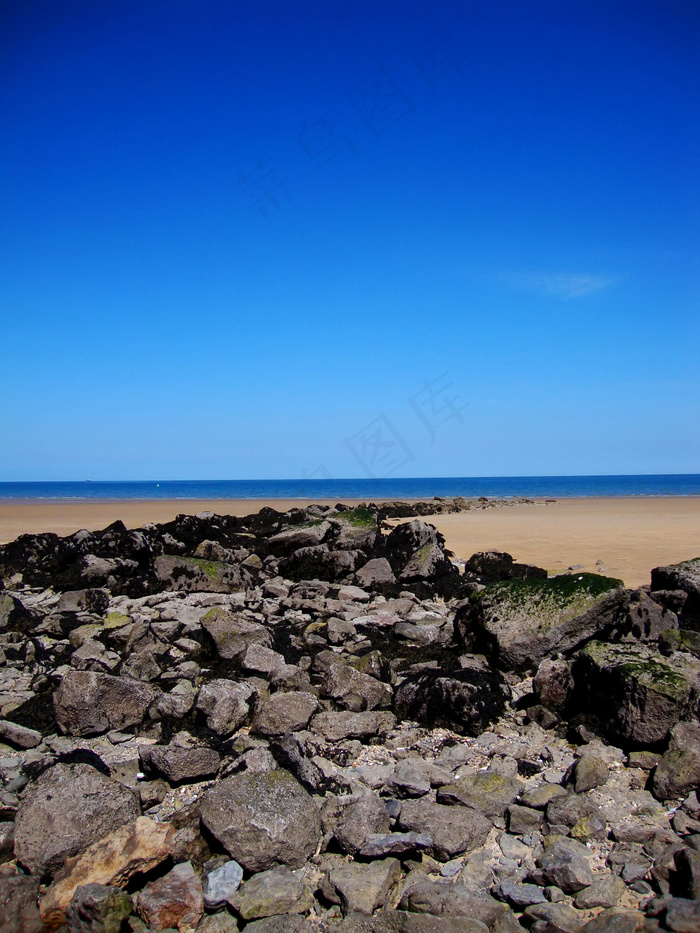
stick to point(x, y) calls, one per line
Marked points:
point(136, 847)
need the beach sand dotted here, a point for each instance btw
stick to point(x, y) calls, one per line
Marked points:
point(628, 535)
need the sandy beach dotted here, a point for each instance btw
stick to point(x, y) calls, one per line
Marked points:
point(628, 536)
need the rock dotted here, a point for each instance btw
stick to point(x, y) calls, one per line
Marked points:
point(136, 847)
point(194, 575)
point(452, 900)
point(66, 809)
point(221, 883)
point(428, 563)
point(334, 727)
point(364, 888)
point(378, 845)
point(617, 920)
point(542, 795)
point(375, 571)
point(18, 735)
point(553, 918)
point(454, 830)
point(678, 772)
point(590, 772)
point(353, 690)
point(88, 703)
point(685, 577)
point(519, 623)
point(362, 818)
point(497, 566)
point(637, 695)
point(565, 867)
point(175, 900)
point(19, 912)
point(647, 619)
point(221, 923)
point(682, 916)
point(466, 701)
point(98, 908)
point(522, 895)
point(262, 660)
point(486, 791)
point(226, 704)
point(553, 684)
point(233, 634)
point(285, 542)
point(263, 819)
point(284, 712)
point(605, 891)
point(271, 893)
point(182, 760)
point(89, 600)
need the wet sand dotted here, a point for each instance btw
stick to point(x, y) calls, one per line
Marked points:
point(628, 536)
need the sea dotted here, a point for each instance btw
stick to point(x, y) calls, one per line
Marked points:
point(499, 487)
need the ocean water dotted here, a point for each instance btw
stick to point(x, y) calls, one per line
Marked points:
point(500, 487)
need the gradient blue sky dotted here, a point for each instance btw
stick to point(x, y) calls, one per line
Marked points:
point(243, 236)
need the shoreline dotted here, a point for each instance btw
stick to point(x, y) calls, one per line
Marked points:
point(623, 536)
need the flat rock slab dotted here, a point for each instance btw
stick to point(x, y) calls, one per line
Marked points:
point(88, 703)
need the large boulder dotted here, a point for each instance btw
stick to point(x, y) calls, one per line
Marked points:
point(466, 701)
point(496, 566)
point(66, 809)
point(226, 704)
point(194, 575)
point(88, 703)
point(678, 772)
point(454, 830)
point(518, 623)
point(233, 634)
point(636, 694)
point(683, 577)
point(263, 820)
point(415, 551)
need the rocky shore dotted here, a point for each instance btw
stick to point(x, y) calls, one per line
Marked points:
point(315, 721)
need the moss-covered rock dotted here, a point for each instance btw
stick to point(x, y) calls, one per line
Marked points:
point(195, 575)
point(517, 623)
point(637, 695)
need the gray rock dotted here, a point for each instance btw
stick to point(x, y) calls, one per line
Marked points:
point(466, 701)
point(590, 772)
point(88, 703)
point(377, 570)
point(18, 735)
point(226, 704)
point(7, 841)
point(98, 908)
point(364, 888)
point(354, 690)
point(364, 817)
point(19, 911)
point(606, 891)
point(554, 918)
point(486, 791)
point(685, 577)
point(519, 623)
point(452, 900)
point(334, 727)
point(565, 866)
point(271, 893)
point(638, 695)
point(69, 807)
point(454, 830)
point(263, 819)
point(678, 772)
point(378, 845)
point(221, 883)
point(553, 684)
point(262, 660)
point(284, 712)
point(182, 760)
point(521, 895)
point(619, 920)
point(194, 575)
point(233, 634)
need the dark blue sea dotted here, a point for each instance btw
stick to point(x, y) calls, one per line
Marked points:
point(499, 487)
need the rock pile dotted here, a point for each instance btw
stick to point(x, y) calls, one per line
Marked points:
point(307, 721)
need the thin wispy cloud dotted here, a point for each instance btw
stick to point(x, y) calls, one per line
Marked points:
point(560, 285)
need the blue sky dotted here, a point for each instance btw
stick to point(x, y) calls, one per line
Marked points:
point(252, 238)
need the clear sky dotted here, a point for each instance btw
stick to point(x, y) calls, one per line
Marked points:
point(258, 238)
